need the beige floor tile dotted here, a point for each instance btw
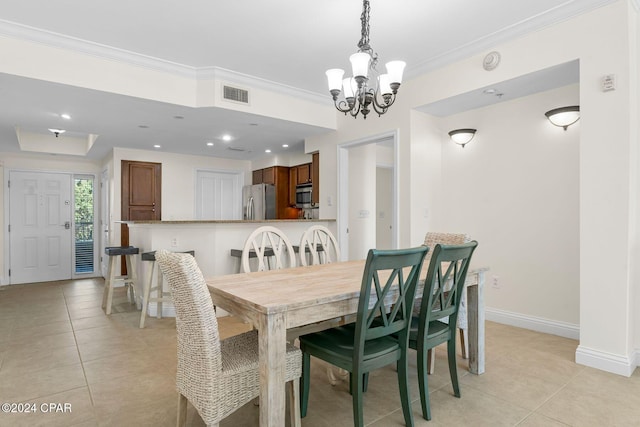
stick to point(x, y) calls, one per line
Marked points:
point(109, 347)
point(596, 398)
point(130, 394)
point(42, 342)
point(125, 364)
point(21, 359)
point(34, 331)
point(23, 386)
point(41, 318)
point(537, 420)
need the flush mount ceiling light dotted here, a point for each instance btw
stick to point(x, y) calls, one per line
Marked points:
point(358, 96)
point(462, 136)
point(57, 132)
point(564, 117)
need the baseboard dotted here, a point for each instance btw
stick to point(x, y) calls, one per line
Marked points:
point(608, 362)
point(539, 324)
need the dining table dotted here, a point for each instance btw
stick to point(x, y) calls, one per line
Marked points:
point(279, 300)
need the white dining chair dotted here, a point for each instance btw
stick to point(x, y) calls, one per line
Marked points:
point(320, 245)
point(272, 248)
point(431, 239)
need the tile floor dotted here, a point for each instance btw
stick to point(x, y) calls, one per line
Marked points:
point(57, 346)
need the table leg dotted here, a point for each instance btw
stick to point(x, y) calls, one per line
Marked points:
point(272, 338)
point(475, 311)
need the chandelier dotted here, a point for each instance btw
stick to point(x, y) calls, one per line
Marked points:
point(359, 97)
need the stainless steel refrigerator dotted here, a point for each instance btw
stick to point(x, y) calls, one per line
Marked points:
point(259, 201)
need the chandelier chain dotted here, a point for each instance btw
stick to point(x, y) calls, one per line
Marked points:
point(363, 44)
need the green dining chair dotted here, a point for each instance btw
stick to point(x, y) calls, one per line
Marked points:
point(379, 336)
point(436, 323)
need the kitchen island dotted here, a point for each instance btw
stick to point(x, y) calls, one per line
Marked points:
point(212, 241)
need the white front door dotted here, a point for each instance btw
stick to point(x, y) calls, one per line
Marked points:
point(218, 195)
point(40, 226)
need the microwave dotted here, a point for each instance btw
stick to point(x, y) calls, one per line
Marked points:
point(303, 196)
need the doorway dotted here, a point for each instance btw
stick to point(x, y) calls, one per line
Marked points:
point(40, 226)
point(357, 193)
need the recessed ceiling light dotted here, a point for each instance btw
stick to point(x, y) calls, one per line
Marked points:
point(489, 91)
point(226, 137)
point(210, 144)
point(65, 116)
point(267, 151)
point(285, 145)
point(157, 146)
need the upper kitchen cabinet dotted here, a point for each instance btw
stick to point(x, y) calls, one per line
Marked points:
point(303, 174)
point(256, 177)
point(315, 177)
point(269, 175)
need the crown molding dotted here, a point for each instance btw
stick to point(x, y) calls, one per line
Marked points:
point(36, 35)
point(563, 12)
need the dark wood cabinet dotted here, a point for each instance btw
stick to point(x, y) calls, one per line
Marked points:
point(315, 177)
point(256, 177)
point(304, 173)
point(293, 181)
point(269, 175)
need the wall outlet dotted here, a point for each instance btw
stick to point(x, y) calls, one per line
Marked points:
point(495, 282)
point(174, 242)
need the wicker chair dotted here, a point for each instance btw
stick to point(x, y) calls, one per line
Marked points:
point(431, 240)
point(217, 377)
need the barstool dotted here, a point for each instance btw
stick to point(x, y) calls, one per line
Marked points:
point(129, 279)
point(161, 296)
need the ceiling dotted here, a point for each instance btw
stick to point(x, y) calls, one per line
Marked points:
point(290, 42)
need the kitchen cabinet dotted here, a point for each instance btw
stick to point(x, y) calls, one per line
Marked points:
point(315, 177)
point(256, 177)
point(303, 174)
point(293, 181)
point(269, 175)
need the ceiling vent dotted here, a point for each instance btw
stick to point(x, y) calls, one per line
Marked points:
point(235, 94)
point(236, 149)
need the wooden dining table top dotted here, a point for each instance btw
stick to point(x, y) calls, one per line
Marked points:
point(296, 288)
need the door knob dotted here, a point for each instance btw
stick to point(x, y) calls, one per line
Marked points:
point(67, 225)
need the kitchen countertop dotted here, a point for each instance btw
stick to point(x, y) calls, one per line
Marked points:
point(224, 221)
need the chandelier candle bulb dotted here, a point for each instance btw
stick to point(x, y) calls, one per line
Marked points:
point(334, 78)
point(395, 69)
point(360, 64)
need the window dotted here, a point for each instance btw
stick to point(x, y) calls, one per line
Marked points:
point(83, 223)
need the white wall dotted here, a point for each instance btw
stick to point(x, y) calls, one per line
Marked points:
point(362, 200)
point(515, 189)
point(384, 207)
